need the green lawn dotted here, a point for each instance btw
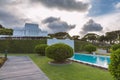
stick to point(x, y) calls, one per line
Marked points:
point(74, 71)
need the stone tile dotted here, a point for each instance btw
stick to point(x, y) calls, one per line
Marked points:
point(32, 77)
point(21, 68)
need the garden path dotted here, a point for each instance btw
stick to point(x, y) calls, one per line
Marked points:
point(21, 68)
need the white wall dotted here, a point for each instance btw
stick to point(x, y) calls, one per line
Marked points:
point(66, 41)
point(101, 51)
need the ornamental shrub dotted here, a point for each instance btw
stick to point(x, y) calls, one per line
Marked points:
point(40, 49)
point(114, 66)
point(90, 48)
point(59, 52)
point(115, 47)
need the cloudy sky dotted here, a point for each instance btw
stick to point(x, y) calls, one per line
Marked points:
point(77, 17)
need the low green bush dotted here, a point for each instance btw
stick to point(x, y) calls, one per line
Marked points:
point(40, 49)
point(114, 66)
point(90, 48)
point(59, 52)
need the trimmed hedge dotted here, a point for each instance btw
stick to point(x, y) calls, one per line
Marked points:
point(27, 46)
point(20, 46)
point(114, 66)
point(59, 52)
point(40, 49)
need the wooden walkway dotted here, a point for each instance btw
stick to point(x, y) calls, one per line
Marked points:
point(21, 68)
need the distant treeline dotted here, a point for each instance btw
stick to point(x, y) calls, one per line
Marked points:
point(5, 31)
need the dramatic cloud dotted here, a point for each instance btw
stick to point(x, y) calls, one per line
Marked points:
point(50, 20)
point(91, 26)
point(15, 13)
point(117, 6)
point(8, 19)
point(109, 21)
point(10, 15)
point(6, 3)
point(56, 25)
point(69, 5)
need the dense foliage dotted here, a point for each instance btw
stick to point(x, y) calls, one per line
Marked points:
point(114, 66)
point(79, 45)
point(40, 49)
point(5, 31)
point(90, 48)
point(109, 37)
point(59, 52)
point(115, 47)
point(19, 46)
point(60, 35)
point(92, 37)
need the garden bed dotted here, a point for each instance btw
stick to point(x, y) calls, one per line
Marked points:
point(2, 61)
point(60, 63)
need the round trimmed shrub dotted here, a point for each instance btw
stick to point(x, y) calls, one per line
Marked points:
point(59, 52)
point(40, 49)
point(114, 66)
point(115, 47)
point(90, 48)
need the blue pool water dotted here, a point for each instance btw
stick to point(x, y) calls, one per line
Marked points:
point(97, 60)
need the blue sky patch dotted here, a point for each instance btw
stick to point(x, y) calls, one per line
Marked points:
point(101, 7)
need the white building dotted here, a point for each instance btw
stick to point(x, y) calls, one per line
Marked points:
point(30, 30)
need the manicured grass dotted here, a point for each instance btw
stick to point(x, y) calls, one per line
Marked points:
point(74, 71)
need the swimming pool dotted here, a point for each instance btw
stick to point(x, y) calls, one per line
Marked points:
point(96, 60)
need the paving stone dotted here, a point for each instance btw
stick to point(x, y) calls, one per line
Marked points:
point(21, 68)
